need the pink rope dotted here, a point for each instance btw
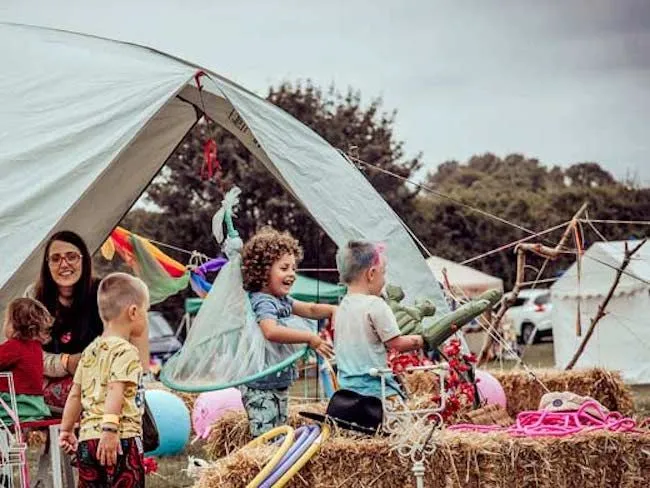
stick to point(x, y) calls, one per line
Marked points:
point(589, 417)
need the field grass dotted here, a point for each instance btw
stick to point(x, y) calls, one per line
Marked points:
point(171, 469)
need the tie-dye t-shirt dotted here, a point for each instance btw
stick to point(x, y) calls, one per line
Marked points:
point(107, 360)
point(363, 324)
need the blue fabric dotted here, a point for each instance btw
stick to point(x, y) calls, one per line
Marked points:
point(370, 386)
point(264, 307)
point(364, 324)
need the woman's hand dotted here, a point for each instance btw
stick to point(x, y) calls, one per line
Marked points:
point(73, 362)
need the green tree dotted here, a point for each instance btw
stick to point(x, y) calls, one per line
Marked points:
point(186, 202)
point(589, 175)
point(526, 193)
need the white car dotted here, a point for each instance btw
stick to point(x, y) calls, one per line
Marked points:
point(531, 315)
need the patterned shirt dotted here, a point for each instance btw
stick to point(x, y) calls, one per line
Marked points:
point(107, 360)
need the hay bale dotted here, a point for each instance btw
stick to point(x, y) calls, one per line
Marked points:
point(230, 432)
point(524, 392)
point(188, 398)
point(488, 415)
point(462, 460)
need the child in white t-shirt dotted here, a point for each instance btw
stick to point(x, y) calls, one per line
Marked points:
point(365, 325)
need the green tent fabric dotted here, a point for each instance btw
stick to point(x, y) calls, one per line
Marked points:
point(312, 290)
point(304, 289)
point(192, 305)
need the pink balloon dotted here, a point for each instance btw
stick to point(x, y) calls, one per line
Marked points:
point(489, 389)
point(211, 406)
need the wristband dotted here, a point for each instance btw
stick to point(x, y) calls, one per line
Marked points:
point(65, 358)
point(106, 428)
point(111, 418)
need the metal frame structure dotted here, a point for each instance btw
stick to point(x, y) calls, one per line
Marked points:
point(12, 448)
point(413, 432)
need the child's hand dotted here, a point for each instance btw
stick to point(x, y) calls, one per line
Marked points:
point(108, 448)
point(322, 347)
point(68, 442)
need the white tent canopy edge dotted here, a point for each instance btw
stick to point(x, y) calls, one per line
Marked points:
point(106, 115)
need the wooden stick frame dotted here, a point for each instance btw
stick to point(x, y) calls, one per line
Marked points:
point(550, 254)
point(601, 312)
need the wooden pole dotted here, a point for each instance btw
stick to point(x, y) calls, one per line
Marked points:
point(537, 248)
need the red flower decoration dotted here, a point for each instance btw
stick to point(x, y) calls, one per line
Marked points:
point(150, 465)
point(460, 393)
point(399, 362)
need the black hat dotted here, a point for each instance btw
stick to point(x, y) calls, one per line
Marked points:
point(353, 411)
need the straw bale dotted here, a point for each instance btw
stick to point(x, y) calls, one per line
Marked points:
point(462, 460)
point(188, 398)
point(524, 393)
point(488, 415)
point(230, 432)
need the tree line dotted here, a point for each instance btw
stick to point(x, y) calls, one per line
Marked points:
point(446, 210)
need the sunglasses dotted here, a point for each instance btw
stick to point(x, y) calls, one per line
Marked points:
point(70, 257)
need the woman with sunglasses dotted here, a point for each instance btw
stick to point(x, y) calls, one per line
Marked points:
point(68, 290)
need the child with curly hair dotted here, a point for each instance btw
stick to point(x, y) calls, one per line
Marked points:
point(269, 262)
point(26, 326)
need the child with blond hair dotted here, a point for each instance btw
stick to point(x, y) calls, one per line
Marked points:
point(107, 393)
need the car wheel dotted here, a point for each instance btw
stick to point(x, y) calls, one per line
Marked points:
point(527, 331)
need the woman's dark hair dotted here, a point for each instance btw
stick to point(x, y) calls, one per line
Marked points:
point(83, 295)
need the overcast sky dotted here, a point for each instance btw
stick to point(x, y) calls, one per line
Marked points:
point(562, 80)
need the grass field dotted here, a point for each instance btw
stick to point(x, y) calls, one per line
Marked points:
point(170, 469)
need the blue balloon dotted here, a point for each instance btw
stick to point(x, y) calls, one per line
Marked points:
point(172, 420)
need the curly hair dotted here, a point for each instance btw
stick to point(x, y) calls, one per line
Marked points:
point(29, 319)
point(261, 251)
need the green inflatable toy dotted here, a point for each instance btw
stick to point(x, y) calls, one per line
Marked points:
point(435, 332)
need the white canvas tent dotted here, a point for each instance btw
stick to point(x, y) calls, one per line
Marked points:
point(87, 122)
point(464, 279)
point(621, 340)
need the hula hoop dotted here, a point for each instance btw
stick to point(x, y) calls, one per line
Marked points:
point(297, 466)
point(297, 450)
point(288, 433)
point(168, 382)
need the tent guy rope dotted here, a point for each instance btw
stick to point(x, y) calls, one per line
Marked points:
point(603, 306)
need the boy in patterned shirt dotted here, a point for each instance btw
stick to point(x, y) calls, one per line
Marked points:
point(108, 393)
